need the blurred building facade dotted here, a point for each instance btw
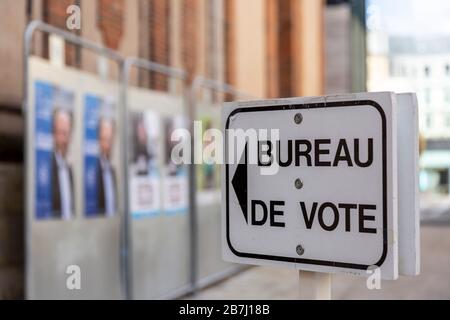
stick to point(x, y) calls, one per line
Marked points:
point(421, 65)
point(267, 48)
point(338, 64)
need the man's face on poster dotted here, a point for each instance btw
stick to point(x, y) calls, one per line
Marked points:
point(62, 128)
point(106, 137)
point(142, 134)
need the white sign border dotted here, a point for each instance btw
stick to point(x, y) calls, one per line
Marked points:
point(387, 104)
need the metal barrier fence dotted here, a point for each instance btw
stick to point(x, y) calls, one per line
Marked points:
point(152, 279)
point(208, 266)
point(84, 240)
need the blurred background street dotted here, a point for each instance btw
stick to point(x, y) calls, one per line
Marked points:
point(279, 283)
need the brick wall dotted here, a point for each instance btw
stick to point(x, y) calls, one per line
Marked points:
point(285, 38)
point(272, 39)
point(279, 48)
point(229, 44)
point(215, 43)
point(110, 21)
point(159, 44)
point(54, 13)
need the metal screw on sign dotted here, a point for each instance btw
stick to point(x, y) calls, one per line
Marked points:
point(298, 118)
point(300, 250)
point(298, 183)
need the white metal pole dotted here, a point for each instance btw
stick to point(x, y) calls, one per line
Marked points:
point(314, 285)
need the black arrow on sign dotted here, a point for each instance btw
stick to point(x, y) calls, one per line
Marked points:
point(239, 183)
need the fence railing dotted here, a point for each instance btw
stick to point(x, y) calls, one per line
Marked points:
point(36, 242)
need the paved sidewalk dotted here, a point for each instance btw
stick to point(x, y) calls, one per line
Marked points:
point(278, 283)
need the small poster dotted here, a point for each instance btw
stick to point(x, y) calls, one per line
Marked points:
point(175, 192)
point(208, 175)
point(144, 169)
point(100, 159)
point(54, 177)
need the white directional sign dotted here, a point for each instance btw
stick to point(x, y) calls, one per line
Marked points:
point(317, 188)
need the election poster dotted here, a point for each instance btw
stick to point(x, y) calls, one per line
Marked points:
point(175, 193)
point(144, 166)
point(54, 176)
point(100, 158)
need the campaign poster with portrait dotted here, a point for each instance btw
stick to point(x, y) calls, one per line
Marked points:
point(144, 182)
point(100, 160)
point(175, 191)
point(54, 123)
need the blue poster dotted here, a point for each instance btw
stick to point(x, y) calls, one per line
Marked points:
point(53, 132)
point(43, 134)
point(100, 182)
point(91, 116)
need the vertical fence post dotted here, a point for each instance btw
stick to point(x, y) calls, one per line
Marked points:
point(126, 261)
point(190, 100)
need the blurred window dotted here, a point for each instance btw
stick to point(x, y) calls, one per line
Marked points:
point(408, 50)
point(427, 95)
point(447, 121)
point(447, 95)
point(429, 121)
point(403, 72)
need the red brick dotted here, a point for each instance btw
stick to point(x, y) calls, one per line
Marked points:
point(230, 29)
point(54, 13)
point(189, 37)
point(159, 44)
point(111, 21)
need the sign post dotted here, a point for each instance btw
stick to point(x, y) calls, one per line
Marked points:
point(314, 285)
point(312, 184)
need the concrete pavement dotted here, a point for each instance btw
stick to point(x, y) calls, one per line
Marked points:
point(279, 283)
